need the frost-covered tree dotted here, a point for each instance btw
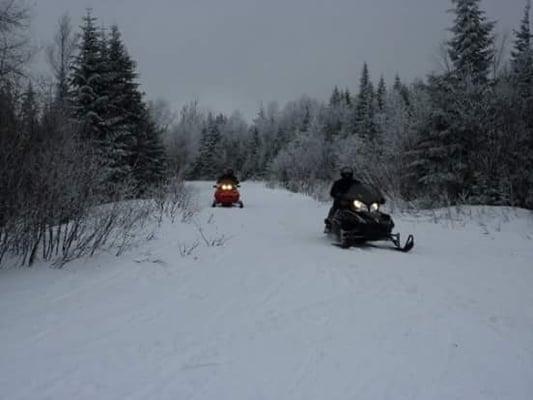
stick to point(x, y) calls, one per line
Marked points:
point(15, 51)
point(125, 113)
point(208, 162)
point(307, 159)
point(89, 89)
point(471, 48)
point(149, 161)
point(252, 165)
point(182, 140)
point(381, 94)
point(336, 97)
point(365, 125)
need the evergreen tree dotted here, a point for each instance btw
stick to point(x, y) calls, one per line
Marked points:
point(402, 89)
point(471, 47)
point(364, 109)
point(397, 83)
point(88, 84)
point(149, 166)
point(348, 98)
point(445, 161)
point(522, 74)
point(522, 55)
point(381, 94)
point(126, 113)
point(252, 165)
point(207, 164)
point(336, 97)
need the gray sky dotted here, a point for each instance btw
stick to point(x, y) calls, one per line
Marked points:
point(233, 54)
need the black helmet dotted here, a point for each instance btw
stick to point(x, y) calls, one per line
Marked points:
point(347, 173)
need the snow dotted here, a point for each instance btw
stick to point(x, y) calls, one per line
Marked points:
point(274, 311)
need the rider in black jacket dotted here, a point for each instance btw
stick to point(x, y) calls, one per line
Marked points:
point(228, 175)
point(339, 188)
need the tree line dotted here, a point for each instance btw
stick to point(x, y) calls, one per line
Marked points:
point(464, 134)
point(81, 139)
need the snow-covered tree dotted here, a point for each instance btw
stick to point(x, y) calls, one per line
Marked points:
point(381, 94)
point(209, 162)
point(471, 48)
point(125, 113)
point(365, 107)
point(89, 90)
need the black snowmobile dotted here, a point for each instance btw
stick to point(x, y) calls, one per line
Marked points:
point(359, 220)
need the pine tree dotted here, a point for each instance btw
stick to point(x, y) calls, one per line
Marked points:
point(397, 83)
point(522, 55)
point(335, 98)
point(364, 108)
point(126, 113)
point(252, 164)
point(471, 47)
point(402, 89)
point(88, 84)
point(348, 98)
point(381, 94)
point(207, 163)
point(149, 167)
point(522, 74)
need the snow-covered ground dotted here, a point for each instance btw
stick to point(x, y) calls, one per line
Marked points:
point(273, 311)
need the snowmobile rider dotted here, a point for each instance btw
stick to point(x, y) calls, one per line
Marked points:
point(228, 175)
point(339, 188)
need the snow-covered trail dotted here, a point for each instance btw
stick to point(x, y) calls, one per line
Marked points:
point(278, 313)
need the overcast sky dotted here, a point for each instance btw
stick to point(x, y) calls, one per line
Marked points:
point(234, 54)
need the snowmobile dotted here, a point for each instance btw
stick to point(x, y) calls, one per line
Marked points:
point(227, 195)
point(359, 220)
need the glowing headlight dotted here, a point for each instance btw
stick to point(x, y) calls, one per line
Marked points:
point(374, 207)
point(227, 187)
point(359, 205)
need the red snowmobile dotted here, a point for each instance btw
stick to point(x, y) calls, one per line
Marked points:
point(227, 195)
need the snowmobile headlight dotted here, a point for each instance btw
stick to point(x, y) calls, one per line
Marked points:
point(227, 187)
point(359, 205)
point(374, 207)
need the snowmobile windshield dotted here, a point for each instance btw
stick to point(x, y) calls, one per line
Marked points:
point(227, 184)
point(365, 193)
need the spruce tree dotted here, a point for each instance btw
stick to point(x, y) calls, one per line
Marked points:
point(522, 55)
point(88, 84)
point(126, 113)
point(397, 83)
point(522, 74)
point(253, 164)
point(149, 166)
point(207, 162)
point(381, 94)
point(335, 98)
point(348, 98)
point(471, 47)
point(364, 108)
